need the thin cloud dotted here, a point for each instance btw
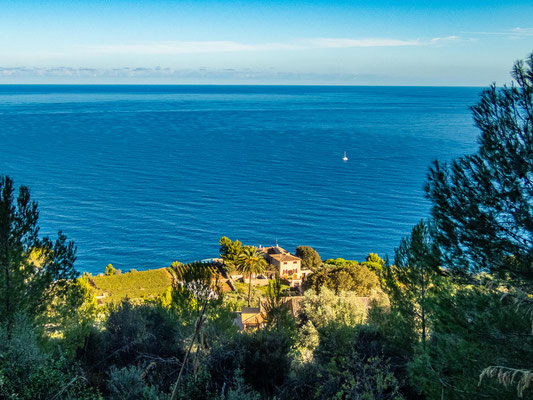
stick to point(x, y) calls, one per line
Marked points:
point(158, 48)
point(445, 39)
point(198, 74)
point(512, 33)
point(523, 31)
point(369, 42)
point(192, 47)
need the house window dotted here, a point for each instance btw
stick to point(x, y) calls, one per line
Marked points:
point(294, 262)
point(284, 262)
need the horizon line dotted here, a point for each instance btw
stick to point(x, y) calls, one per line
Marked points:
point(243, 84)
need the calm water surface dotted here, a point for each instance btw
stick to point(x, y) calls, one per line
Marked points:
point(139, 176)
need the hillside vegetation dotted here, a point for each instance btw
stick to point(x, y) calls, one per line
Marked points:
point(134, 285)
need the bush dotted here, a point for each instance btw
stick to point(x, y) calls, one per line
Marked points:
point(472, 329)
point(26, 372)
point(374, 263)
point(128, 384)
point(345, 366)
point(326, 307)
point(310, 258)
point(110, 270)
point(140, 336)
point(343, 276)
point(240, 390)
point(262, 356)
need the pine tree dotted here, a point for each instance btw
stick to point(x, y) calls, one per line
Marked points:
point(230, 252)
point(413, 277)
point(32, 270)
point(483, 207)
point(483, 203)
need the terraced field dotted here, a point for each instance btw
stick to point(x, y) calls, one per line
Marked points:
point(135, 285)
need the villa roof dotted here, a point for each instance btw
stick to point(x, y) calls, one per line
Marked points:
point(285, 257)
point(251, 316)
point(250, 310)
point(273, 250)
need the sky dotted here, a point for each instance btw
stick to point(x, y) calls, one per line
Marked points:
point(427, 43)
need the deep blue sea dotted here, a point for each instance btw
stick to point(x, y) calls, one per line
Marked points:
point(140, 176)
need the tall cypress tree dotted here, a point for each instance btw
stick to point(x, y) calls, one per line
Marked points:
point(483, 203)
point(32, 270)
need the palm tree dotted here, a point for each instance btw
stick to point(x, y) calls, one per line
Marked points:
point(252, 262)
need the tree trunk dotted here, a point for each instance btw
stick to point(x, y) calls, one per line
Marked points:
point(7, 289)
point(196, 331)
point(423, 310)
point(249, 290)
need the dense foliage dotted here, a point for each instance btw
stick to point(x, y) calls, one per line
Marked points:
point(33, 271)
point(483, 203)
point(230, 252)
point(344, 276)
point(310, 258)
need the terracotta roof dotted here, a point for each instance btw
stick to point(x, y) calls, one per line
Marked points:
point(285, 257)
point(250, 310)
point(251, 316)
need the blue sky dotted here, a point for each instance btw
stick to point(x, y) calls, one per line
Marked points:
point(263, 42)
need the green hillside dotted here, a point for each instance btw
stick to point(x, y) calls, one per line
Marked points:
point(135, 285)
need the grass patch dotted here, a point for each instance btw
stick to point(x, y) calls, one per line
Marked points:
point(135, 285)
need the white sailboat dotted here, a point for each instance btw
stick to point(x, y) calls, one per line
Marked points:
point(344, 158)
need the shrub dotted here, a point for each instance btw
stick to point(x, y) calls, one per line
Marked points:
point(343, 277)
point(345, 366)
point(262, 356)
point(326, 307)
point(27, 372)
point(110, 270)
point(136, 336)
point(310, 258)
point(374, 263)
point(128, 384)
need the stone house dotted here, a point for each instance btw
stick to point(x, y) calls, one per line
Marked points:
point(286, 265)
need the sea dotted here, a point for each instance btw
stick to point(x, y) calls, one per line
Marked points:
point(141, 176)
